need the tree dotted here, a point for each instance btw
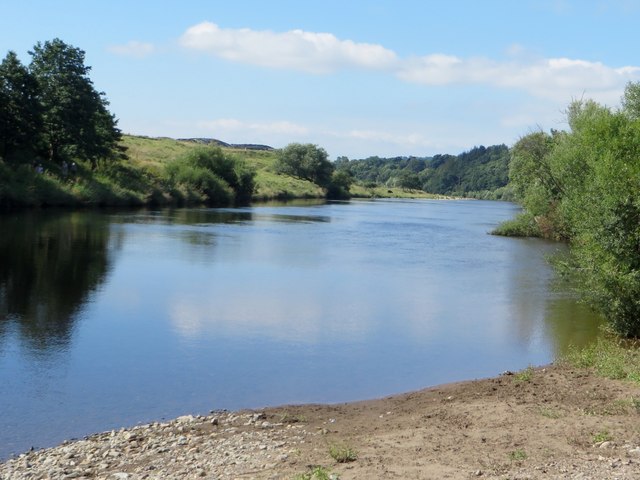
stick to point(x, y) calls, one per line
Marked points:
point(306, 161)
point(20, 112)
point(338, 188)
point(76, 120)
point(584, 185)
point(631, 100)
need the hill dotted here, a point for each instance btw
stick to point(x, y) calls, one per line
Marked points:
point(482, 172)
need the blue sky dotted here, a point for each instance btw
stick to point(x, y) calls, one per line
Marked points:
point(359, 78)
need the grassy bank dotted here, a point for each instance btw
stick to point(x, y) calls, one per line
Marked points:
point(145, 176)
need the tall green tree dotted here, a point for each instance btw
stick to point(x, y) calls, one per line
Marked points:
point(20, 112)
point(306, 161)
point(77, 123)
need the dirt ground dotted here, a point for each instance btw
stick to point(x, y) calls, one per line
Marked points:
point(553, 422)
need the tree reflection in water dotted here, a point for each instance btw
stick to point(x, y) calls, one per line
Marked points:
point(50, 262)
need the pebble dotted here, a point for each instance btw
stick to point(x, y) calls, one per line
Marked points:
point(187, 447)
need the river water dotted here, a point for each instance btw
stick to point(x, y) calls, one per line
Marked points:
point(110, 319)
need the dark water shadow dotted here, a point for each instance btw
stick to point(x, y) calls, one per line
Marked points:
point(50, 263)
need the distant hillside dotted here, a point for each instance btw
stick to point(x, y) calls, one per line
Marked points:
point(220, 143)
point(482, 172)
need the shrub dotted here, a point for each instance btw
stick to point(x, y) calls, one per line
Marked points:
point(208, 174)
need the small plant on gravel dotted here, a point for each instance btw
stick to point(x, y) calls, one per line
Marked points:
point(517, 455)
point(287, 417)
point(602, 436)
point(524, 376)
point(317, 473)
point(342, 453)
point(550, 412)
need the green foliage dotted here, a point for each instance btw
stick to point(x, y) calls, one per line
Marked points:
point(316, 473)
point(518, 455)
point(479, 173)
point(343, 453)
point(20, 111)
point(340, 185)
point(631, 100)
point(584, 186)
point(76, 121)
point(306, 161)
point(206, 174)
point(601, 436)
point(524, 376)
point(609, 357)
point(524, 225)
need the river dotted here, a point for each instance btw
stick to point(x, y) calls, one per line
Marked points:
point(110, 319)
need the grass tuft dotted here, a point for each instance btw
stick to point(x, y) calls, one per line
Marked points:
point(524, 375)
point(342, 453)
point(316, 472)
point(602, 436)
point(517, 455)
point(608, 357)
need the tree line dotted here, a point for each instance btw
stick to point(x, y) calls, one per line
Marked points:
point(583, 186)
point(479, 172)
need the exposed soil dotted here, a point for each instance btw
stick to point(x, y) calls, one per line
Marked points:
point(554, 422)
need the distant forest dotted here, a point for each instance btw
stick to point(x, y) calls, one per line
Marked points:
point(482, 172)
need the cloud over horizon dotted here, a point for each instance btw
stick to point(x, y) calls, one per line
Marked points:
point(324, 53)
point(311, 52)
point(553, 78)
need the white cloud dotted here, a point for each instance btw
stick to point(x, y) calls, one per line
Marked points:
point(133, 49)
point(554, 78)
point(234, 125)
point(296, 49)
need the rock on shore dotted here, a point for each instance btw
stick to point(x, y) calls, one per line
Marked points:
point(222, 445)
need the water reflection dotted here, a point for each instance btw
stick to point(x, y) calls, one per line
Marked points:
point(544, 308)
point(159, 313)
point(49, 265)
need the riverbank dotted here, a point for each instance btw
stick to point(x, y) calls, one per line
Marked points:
point(154, 172)
point(553, 422)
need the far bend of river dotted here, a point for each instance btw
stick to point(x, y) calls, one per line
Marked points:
point(113, 319)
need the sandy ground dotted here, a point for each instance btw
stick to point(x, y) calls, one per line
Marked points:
point(553, 422)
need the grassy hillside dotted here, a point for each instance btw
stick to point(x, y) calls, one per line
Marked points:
point(151, 154)
point(140, 177)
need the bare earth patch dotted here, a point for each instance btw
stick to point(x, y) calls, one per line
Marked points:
point(555, 422)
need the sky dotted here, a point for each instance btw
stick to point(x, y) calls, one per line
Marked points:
point(358, 78)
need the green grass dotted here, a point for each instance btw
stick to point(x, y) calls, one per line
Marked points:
point(609, 357)
point(517, 455)
point(524, 375)
point(522, 226)
point(342, 453)
point(601, 436)
point(141, 179)
point(152, 154)
point(549, 412)
point(317, 473)
point(287, 417)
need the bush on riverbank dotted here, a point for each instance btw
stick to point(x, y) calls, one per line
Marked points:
point(583, 186)
point(207, 175)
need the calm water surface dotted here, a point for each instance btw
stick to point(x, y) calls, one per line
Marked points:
point(111, 319)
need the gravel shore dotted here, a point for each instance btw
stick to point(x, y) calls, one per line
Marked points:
point(554, 422)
